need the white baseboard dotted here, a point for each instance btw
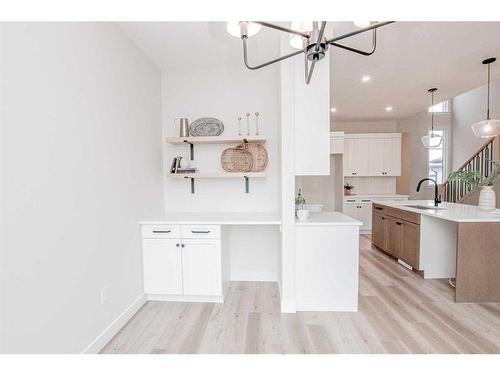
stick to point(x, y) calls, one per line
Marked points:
point(254, 276)
point(110, 331)
point(180, 298)
point(288, 306)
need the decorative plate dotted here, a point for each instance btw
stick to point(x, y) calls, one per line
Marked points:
point(236, 160)
point(206, 126)
point(259, 155)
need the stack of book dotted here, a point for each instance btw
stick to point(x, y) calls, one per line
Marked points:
point(176, 167)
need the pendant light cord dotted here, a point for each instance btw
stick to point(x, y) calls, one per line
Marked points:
point(432, 113)
point(488, 107)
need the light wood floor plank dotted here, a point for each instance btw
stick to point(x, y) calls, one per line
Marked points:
point(399, 312)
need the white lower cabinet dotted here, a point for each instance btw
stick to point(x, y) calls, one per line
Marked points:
point(183, 268)
point(362, 212)
point(162, 266)
point(201, 267)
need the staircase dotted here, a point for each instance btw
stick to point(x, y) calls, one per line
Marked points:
point(457, 191)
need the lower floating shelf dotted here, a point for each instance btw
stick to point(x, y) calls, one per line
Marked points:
point(245, 175)
point(219, 175)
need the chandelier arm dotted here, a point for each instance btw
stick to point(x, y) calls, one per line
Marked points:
point(368, 28)
point(320, 35)
point(364, 53)
point(311, 70)
point(255, 67)
point(281, 28)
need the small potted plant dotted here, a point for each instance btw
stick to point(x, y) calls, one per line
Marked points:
point(487, 197)
point(347, 188)
point(300, 201)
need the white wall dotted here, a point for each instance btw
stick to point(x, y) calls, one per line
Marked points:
point(80, 165)
point(469, 108)
point(325, 190)
point(416, 127)
point(227, 94)
point(364, 126)
point(223, 94)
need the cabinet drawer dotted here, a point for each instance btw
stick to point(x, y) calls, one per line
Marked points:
point(161, 231)
point(350, 200)
point(201, 231)
point(402, 214)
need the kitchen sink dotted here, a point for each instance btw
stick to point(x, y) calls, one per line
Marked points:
point(419, 207)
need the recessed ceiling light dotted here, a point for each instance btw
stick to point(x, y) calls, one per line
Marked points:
point(366, 78)
point(388, 109)
point(333, 109)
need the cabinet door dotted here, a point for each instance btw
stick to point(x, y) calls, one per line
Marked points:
point(365, 212)
point(361, 164)
point(348, 157)
point(410, 246)
point(391, 157)
point(162, 266)
point(352, 211)
point(376, 156)
point(393, 237)
point(378, 229)
point(201, 267)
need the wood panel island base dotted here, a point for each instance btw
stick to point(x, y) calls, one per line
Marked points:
point(451, 241)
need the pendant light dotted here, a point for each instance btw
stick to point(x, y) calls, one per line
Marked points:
point(432, 140)
point(487, 128)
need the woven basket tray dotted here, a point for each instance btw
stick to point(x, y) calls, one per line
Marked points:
point(236, 160)
point(259, 155)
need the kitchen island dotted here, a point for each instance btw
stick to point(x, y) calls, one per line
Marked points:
point(451, 241)
point(327, 262)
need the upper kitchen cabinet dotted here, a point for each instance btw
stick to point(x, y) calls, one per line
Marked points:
point(372, 154)
point(308, 106)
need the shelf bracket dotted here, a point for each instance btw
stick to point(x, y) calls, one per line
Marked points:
point(247, 187)
point(191, 149)
point(192, 184)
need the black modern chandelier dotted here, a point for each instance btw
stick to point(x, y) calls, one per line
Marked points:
point(307, 37)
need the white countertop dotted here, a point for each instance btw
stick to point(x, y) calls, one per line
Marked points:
point(376, 196)
point(328, 218)
point(460, 213)
point(221, 218)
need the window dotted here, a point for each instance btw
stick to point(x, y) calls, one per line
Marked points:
point(437, 159)
point(442, 107)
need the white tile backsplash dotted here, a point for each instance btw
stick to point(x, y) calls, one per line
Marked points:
point(372, 185)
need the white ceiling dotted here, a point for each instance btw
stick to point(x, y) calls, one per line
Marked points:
point(410, 58)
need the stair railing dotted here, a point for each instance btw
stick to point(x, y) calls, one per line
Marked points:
point(481, 162)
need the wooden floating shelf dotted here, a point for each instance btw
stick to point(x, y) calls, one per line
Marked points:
point(215, 140)
point(219, 175)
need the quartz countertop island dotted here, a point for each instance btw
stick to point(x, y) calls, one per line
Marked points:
point(459, 213)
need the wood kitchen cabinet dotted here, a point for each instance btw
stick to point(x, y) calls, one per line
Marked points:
point(378, 229)
point(393, 236)
point(410, 244)
point(397, 233)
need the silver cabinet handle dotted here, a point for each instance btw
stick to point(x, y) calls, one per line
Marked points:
point(200, 231)
point(162, 231)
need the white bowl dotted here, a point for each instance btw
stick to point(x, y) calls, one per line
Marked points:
point(303, 214)
point(314, 207)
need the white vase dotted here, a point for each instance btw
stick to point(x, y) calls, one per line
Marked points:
point(487, 199)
